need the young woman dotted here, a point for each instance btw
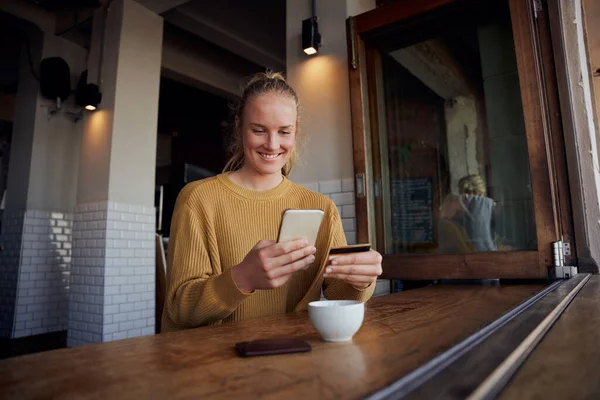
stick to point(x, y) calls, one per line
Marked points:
point(223, 262)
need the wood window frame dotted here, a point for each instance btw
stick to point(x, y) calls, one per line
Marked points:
point(545, 143)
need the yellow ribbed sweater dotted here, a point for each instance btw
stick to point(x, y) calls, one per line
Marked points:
point(214, 226)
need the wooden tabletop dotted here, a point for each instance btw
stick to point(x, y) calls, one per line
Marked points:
point(565, 364)
point(400, 333)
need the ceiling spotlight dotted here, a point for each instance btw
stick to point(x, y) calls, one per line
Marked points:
point(88, 94)
point(311, 38)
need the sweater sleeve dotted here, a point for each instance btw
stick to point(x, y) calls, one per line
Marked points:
point(334, 289)
point(198, 292)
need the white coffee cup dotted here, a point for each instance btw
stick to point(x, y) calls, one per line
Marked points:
point(336, 320)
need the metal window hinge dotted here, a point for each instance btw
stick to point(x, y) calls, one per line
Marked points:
point(537, 8)
point(558, 269)
point(377, 188)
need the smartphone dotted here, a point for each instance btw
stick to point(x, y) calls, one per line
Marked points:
point(266, 347)
point(355, 248)
point(300, 224)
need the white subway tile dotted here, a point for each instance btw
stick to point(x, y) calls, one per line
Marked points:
point(135, 279)
point(328, 187)
point(134, 316)
point(348, 185)
point(111, 328)
point(119, 298)
point(128, 235)
point(348, 211)
point(140, 287)
point(150, 330)
point(111, 309)
point(351, 237)
point(342, 199)
point(140, 323)
point(31, 324)
point(314, 186)
point(109, 290)
point(133, 297)
point(22, 333)
point(121, 207)
point(124, 326)
point(147, 313)
point(132, 333)
point(126, 307)
point(120, 317)
point(113, 216)
point(348, 224)
point(24, 317)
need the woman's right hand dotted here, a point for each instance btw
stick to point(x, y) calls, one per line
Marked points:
point(270, 264)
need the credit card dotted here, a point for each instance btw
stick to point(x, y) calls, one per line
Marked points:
point(356, 248)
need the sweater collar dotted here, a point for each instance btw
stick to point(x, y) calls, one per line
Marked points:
point(270, 194)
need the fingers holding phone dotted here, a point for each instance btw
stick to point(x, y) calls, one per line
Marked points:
point(358, 265)
point(270, 264)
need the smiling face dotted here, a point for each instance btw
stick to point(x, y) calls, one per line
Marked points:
point(268, 129)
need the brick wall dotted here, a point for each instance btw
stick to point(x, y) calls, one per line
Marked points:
point(42, 293)
point(113, 290)
point(341, 191)
point(10, 260)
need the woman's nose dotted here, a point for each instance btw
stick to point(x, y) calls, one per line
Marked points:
point(272, 141)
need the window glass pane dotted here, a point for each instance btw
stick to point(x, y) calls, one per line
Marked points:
point(454, 152)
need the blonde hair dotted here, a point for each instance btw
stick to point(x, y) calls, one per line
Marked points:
point(472, 184)
point(259, 84)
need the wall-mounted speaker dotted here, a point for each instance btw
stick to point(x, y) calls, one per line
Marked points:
point(55, 78)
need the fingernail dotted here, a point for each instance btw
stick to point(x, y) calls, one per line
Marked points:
point(311, 259)
point(328, 270)
point(313, 249)
point(305, 242)
point(334, 262)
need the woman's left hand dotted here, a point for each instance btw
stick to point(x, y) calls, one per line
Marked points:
point(358, 269)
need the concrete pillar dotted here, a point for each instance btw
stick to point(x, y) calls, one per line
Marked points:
point(112, 280)
point(40, 198)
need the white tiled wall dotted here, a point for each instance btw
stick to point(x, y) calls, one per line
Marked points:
point(113, 273)
point(10, 260)
point(342, 193)
point(42, 290)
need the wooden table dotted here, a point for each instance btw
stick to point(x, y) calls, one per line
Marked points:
point(400, 333)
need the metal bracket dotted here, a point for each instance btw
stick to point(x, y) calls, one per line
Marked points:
point(537, 8)
point(360, 185)
point(377, 188)
point(566, 249)
point(564, 272)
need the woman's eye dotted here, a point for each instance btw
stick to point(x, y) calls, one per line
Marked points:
point(257, 131)
point(285, 133)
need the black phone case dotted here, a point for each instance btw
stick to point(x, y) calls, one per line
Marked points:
point(265, 347)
